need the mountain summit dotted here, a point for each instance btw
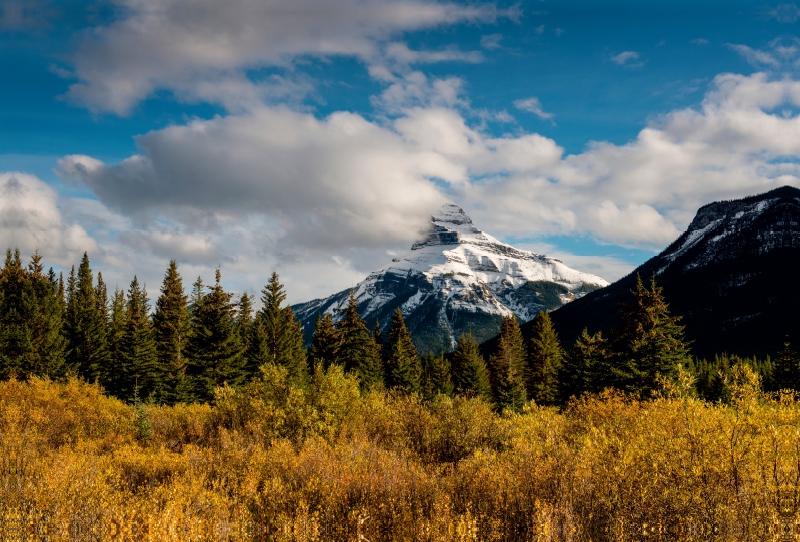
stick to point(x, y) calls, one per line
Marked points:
point(458, 278)
point(729, 275)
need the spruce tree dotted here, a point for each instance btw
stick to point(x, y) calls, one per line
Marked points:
point(470, 376)
point(141, 369)
point(359, 354)
point(114, 380)
point(545, 361)
point(276, 336)
point(85, 327)
point(507, 367)
point(786, 370)
point(171, 328)
point(436, 378)
point(589, 368)
point(215, 350)
point(325, 343)
point(244, 320)
point(46, 321)
point(649, 342)
point(403, 365)
point(16, 312)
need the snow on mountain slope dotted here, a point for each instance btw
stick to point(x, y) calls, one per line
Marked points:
point(459, 279)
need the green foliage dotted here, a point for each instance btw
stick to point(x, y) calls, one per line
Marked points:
point(359, 354)
point(507, 367)
point(404, 370)
point(85, 325)
point(215, 350)
point(114, 379)
point(589, 367)
point(649, 343)
point(545, 362)
point(436, 378)
point(276, 336)
point(548, 294)
point(171, 329)
point(470, 376)
point(141, 370)
point(325, 343)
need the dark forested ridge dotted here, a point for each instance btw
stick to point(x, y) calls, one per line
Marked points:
point(731, 275)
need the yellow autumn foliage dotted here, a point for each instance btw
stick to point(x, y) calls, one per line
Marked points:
point(274, 462)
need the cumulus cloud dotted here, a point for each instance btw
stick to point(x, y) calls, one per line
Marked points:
point(274, 188)
point(31, 219)
point(533, 105)
point(202, 49)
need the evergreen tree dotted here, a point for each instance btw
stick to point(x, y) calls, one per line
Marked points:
point(46, 321)
point(545, 362)
point(85, 327)
point(244, 320)
point(359, 354)
point(139, 353)
point(403, 365)
point(507, 367)
point(436, 376)
point(214, 351)
point(786, 370)
point(16, 312)
point(325, 343)
point(589, 366)
point(470, 376)
point(115, 379)
point(171, 328)
point(649, 342)
point(276, 336)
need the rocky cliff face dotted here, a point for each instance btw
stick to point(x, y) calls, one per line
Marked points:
point(456, 279)
point(730, 275)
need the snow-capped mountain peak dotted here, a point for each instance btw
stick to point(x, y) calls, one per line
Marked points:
point(459, 278)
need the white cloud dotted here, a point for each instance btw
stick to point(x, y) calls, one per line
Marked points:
point(533, 105)
point(31, 219)
point(491, 41)
point(755, 57)
point(700, 41)
point(627, 58)
point(279, 189)
point(785, 13)
point(202, 49)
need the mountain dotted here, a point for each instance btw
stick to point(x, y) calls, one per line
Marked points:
point(729, 275)
point(456, 279)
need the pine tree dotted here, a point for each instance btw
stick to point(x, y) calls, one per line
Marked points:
point(649, 342)
point(276, 336)
point(46, 321)
point(16, 311)
point(325, 343)
point(140, 365)
point(436, 378)
point(359, 354)
point(85, 328)
point(589, 366)
point(470, 376)
point(403, 366)
point(215, 351)
point(507, 367)
point(545, 361)
point(171, 328)
point(786, 370)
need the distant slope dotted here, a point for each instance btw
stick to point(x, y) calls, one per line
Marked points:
point(732, 275)
point(455, 280)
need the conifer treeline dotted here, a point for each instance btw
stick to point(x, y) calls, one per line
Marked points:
point(189, 345)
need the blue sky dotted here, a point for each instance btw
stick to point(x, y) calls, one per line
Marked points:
point(315, 137)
